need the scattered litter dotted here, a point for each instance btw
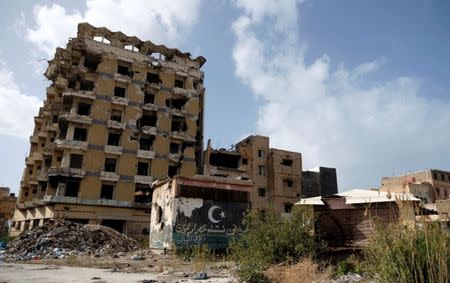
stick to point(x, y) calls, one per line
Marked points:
point(200, 276)
point(137, 257)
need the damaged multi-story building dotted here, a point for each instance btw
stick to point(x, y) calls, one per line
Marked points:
point(119, 114)
point(319, 181)
point(276, 173)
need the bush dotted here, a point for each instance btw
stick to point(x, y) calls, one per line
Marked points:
point(400, 254)
point(270, 239)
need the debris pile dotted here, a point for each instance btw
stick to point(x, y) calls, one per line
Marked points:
point(62, 238)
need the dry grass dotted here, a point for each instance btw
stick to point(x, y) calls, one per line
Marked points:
point(305, 271)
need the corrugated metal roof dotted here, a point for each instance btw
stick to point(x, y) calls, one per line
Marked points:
point(361, 196)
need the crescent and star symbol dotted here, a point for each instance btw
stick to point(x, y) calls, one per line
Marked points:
point(211, 211)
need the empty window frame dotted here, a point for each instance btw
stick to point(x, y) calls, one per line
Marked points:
point(143, 168)
point(114, 137)
point(262, 192)
point(149, 98)
point(101, 39)
point(149, 118)
point(86, 85)
point(178, 124)
point(175, 148)
point(131, 48)
point(120, 91)
point(124, 69)
point(261, 170)
point(153, 78)
point(173, 171)
point(110, 164)
point(91, 62)
point(261, 153)
point(84, 109)
point(76, 161)
point(72, 188)
point(287, 162)
point(288, 183)
point(107, 191)
point(157, 55)
point(179, 82)
point(142, 194)
point(146, 142)
point(177, 102)
point(80, 134)
point(116, 115)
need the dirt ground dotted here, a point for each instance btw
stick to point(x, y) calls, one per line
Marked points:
point(119, 268)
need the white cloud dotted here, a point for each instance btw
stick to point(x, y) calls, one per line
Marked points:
point(160, 21)
point(335, 116)
point(16, 109)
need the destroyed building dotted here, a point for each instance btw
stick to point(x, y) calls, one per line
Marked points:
point(119, 113)
point(320, 181)
point(428, 185)
point(198, 210)
point(276, 174)
point(7, 205)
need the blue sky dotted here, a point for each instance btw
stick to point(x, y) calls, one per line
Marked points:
point(357, 85)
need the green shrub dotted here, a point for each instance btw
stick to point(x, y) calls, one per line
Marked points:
point(269, 238)
point(400, 254)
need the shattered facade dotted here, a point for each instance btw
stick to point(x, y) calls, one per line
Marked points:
point(197, 210)
point(320, 181)
point(428, 185)
point(119, 114)
point(276, 174)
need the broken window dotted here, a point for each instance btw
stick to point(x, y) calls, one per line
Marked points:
point(72, 188)
point(119, 91)
point(220, 159)
point(91, 62)
point(148, 119)
point(116, 115)
point(262, 192)
point(157, 55)
point(110, 164)
point(124, 69)
point(101, 39)
point(76, 161)
point(55, 119)
point(179, 82)
point(143, 168)
point(34, 191)
point(72, 84)
point(288, 183)
point(435, 176)
point(131, 48)
point(107, 191)
point(177, 102)
point(178, 124)
point(87, 85)
point(149, 98)
point(195, 84)
point(80, 134)
point(173, 170)
point(244, 161)
point(175, 148)
point(114, 137)
point(142, 194)
point(288, 207)
point(84, 109)
point(286, 162)
point(146, 142)
point(153, 78)
point(261, 170)
point(261, 153)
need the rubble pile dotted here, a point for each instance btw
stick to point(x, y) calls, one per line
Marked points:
point(62, 238)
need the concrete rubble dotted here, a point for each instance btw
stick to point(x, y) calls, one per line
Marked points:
point(63, 238)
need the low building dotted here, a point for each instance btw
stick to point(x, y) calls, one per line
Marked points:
point(197, 210)
point(7, 205)
point(429, 185)
point(348, 218)
point(320, 181)
point(276, 173)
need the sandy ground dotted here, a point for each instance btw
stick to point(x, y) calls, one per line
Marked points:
point(15, 272)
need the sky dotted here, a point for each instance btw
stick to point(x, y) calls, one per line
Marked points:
point(362, 86)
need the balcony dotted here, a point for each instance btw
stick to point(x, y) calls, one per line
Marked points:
point(52, 127)
point(149, 130)
point(146, 154)
point(72, 117)
point(150, 107)
point(79, 93)
point(43, 176)
point(34, 139)
point(77, 200)
point(42, 134)
point(33, 181)
point(112, 149)
point(122, 78)
point(174, 157)
point(146, 180)
point(116, 125)
point(37, 156)
point(29, 161)
point(182, 136)
point(155, 86)
point(48, 150)
point(119, 100)
point(70, 144)
point(66, 172)
point(109, 176)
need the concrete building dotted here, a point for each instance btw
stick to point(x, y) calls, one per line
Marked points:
point(428, 185)
point(120, 113)
point(197, 210)
point(7, 205)
point(276, 174)
point(320, 181)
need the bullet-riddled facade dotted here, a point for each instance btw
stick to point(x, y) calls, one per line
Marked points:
point(276, 174)
point(119, 114)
